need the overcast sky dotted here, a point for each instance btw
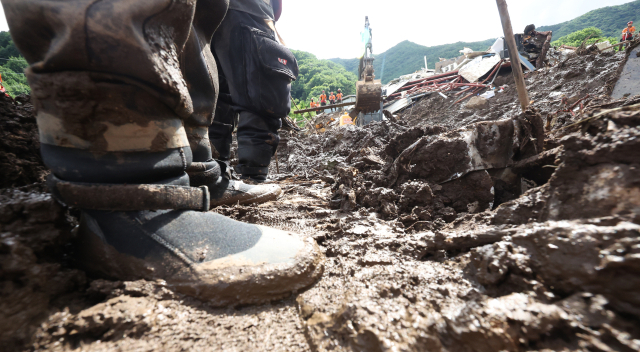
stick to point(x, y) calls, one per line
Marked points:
point(331, 29)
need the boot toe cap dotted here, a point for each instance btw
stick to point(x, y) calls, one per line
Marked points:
point(281, 263)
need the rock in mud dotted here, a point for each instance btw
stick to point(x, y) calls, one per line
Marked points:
point(477, 103)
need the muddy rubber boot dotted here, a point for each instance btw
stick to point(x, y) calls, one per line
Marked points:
point(226, 191)
point(205, 255)
point(142, 220)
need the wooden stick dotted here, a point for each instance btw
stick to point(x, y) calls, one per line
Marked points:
point(516, 67)
point(613, 46)
point(308, 120)
point(322, 107)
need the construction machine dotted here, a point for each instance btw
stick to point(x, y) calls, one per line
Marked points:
point(368, 89)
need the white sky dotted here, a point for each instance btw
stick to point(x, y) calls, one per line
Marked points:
point(331, 29)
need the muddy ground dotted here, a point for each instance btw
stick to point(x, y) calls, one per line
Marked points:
point(542, 255)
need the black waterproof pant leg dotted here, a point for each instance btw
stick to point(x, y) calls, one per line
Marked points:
point(243, 67)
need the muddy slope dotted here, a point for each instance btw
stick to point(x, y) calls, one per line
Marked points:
point(540, 255)
point(20, 162)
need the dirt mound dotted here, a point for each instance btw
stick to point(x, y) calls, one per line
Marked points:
point(484, 285)
point(20, 161)
point(34, 275)
point(574, 78)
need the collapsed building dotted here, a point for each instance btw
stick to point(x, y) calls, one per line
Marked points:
point(452, 225)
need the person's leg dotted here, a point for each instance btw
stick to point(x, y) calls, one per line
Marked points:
point(226, 191)
point(259, 89)
point(225, 121)
point(116, 102)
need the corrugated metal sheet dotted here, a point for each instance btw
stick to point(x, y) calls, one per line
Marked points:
point(479, 67)
point(399, 105)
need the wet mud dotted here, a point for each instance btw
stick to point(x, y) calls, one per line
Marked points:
point(20, 162)
point(539, 254)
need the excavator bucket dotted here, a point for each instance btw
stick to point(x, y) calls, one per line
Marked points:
point(368, 96)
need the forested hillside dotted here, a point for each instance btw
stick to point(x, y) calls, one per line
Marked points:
point(611, 20)
point(12, 66)
point(318, 75)
point(408, 57)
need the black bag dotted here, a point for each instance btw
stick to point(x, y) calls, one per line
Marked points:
point(270, 68)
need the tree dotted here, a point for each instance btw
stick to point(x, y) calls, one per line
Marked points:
point(13, 78)
point(12, 66)
point(575, 39)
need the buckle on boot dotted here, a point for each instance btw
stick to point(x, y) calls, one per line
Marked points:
point(120, 197)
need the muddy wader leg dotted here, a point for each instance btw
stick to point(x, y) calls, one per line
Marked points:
point(259, 89)
point(110, 83)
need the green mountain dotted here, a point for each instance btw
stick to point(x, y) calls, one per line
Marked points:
point(408, 57)
point(611, 20)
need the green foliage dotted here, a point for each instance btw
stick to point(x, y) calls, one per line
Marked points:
point(12, 66)
point(575, 39)
point(408, 57)
point(7, 48)
point(318, 75)
point(612, 20)
point(13, 78)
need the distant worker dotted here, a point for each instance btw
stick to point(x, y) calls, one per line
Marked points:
point(627, 33)
point(312, 104)
point(323, 99)
point(2, 89)
point(339, 99)
point(332, 100)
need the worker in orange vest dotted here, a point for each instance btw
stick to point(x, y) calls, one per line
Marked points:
point(339, 98)
point(332, 100)
point(312, 104)
point(323, 99)
point(627, 33)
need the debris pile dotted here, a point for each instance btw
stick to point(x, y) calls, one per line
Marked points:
point(554, 269)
